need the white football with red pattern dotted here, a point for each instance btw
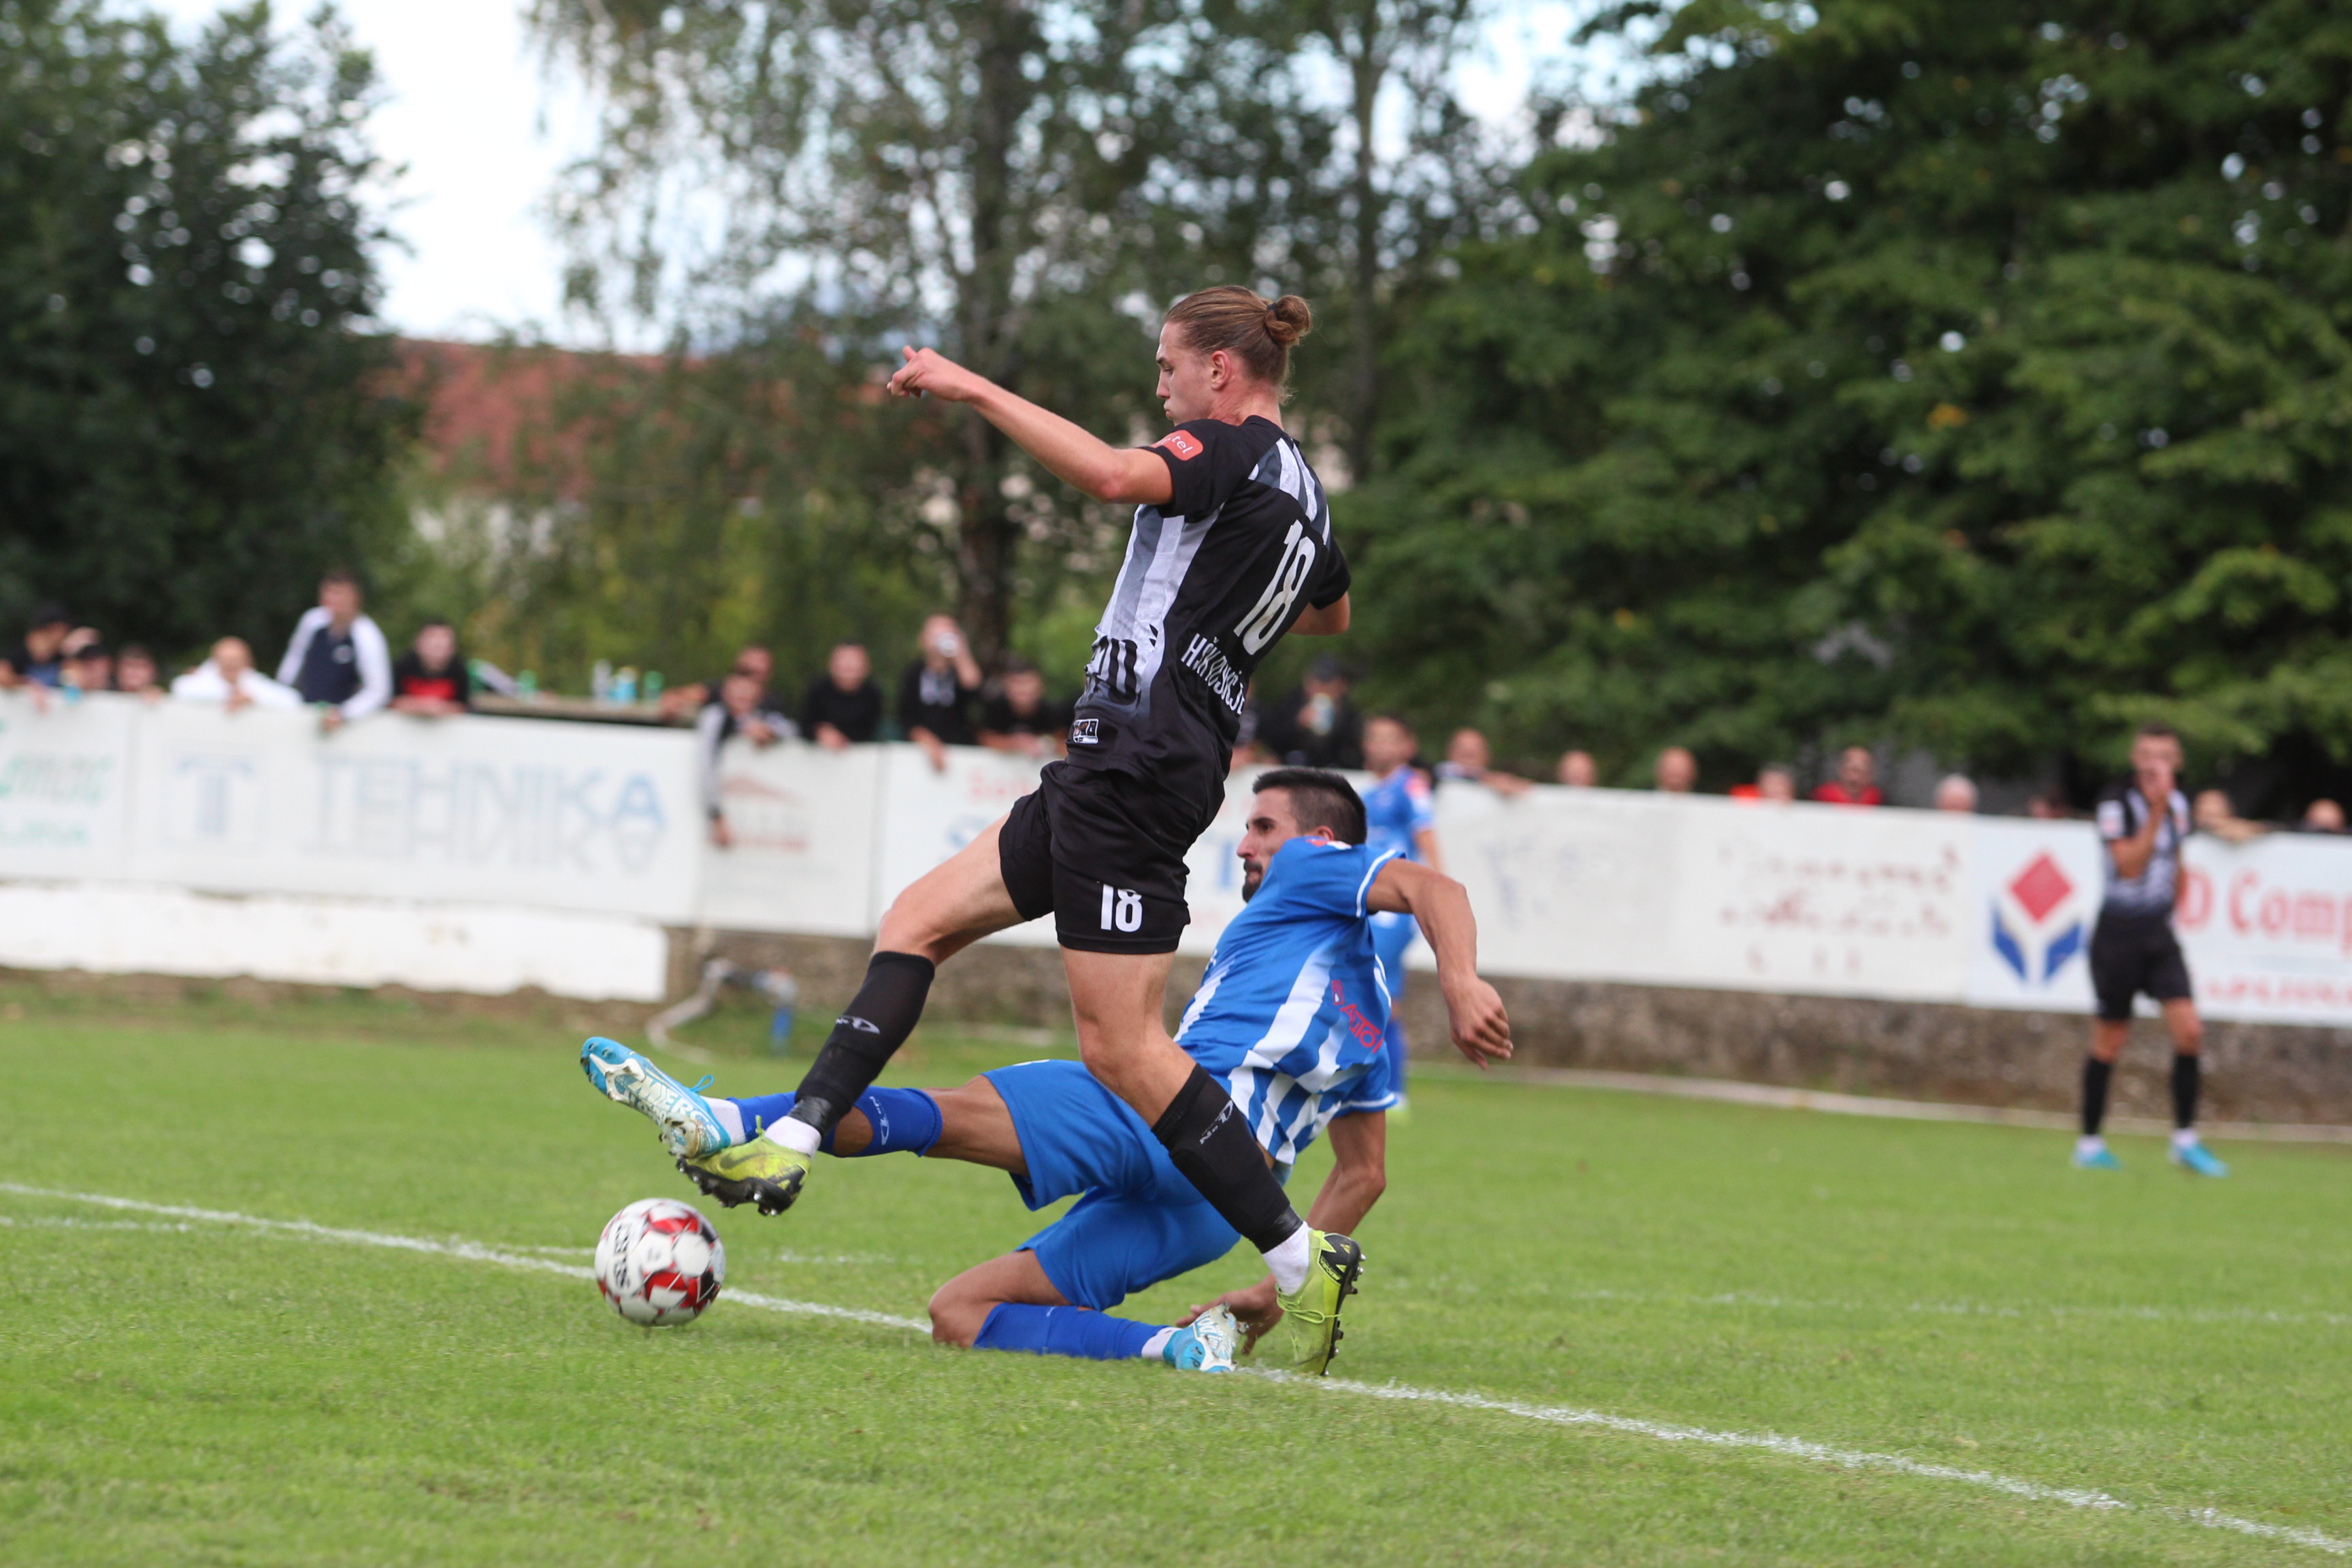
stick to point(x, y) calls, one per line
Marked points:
point(659, 1263)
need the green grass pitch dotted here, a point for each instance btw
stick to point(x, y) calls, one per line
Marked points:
point(191, 1392)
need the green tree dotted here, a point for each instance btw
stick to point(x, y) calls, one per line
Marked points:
point(195, 419)
point(1968, 375)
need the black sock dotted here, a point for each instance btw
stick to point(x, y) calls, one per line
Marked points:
point(2095, 1074)
point(879, 1019)
point(2185, 1080)
point(1207, 1140)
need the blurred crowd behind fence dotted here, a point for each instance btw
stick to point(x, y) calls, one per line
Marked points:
point(494, 854)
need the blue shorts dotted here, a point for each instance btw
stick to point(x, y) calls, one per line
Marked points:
point(1139, 1222)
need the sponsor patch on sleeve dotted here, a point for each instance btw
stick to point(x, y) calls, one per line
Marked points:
point(1183, 444)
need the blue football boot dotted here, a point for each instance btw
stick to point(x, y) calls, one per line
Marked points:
point(688, 1128)
point(2198, 1161)
point(1207, 1344)
point(2099, 1158)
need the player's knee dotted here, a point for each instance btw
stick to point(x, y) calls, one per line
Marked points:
point(956, 1316)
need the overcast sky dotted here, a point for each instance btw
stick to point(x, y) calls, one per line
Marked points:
point(483, 131)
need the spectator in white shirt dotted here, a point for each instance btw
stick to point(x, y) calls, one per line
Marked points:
point(339, 659)
point(743, 707)
point(229, 679)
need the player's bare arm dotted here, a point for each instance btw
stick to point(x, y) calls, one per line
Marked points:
point(1322, 620)
point(1480, 1025)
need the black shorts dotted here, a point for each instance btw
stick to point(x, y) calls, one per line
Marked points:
point(1104, 853)
point(2132, 953)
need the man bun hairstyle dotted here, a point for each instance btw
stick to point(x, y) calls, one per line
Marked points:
point(1256, 330)
point(1319, 798)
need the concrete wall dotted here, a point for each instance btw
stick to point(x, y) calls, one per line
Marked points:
point(1919, 1050)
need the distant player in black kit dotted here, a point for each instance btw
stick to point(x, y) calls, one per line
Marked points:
point(1232, 548)
point(2142, 822)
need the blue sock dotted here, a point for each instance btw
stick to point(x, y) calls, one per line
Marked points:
point(1062, 1331)
point(905, 1121)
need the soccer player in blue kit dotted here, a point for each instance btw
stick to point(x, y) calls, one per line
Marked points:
point(1290, 1018)
point(1399, 816)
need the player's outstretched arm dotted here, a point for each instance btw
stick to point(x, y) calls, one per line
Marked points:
point(1481, 1028)
point(1359, 1149)
point(1077, 457)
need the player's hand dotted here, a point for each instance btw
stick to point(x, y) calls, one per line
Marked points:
point(929, 371)
point(1255, 1309)
point(1481, 1029)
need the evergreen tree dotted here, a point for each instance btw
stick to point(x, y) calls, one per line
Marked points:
point(193, 419)
point(1968, 375)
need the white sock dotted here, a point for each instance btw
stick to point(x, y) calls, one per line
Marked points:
point(2089, 1143)
point(1289, 1261)
point(1155, 1344)
point(795, 1134)
point(730, 1119)
point(2185, 1137)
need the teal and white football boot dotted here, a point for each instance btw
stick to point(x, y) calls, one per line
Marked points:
point(2196, 1159)
point(2093, 1154)
point(689, 1128)
point(1206, 1344)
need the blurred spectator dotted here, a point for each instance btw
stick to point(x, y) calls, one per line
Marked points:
point(229, 679)
point(694, 695)
point(91, 667)
point(1316, 726)
point(1856, 783)
point(2050, 805)
point(1578, 771)
point(135, 672)
point(1774, 786)
point(935, 694)
point(338, 657)
point(2213, 814)
point(743, 708)
point(430, 680)
point(1469, 760)
point(843, 707)
point(2323, 815)
point(1020, 718)
point(1248, 753)
point(1677, 771)
point(38, 657)
point(1956, 792)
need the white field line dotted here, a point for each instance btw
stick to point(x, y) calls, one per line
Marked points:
point(1557, 1415)
point(1779, 1098)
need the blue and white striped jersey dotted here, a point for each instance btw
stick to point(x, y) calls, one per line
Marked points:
point(1293, 1009)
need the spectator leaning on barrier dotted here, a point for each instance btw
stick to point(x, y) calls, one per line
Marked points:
point(229, 679)
point(92, 667)
point(1469, 760)
point(935, 694)
point(741, 709)
point(2143, 822)
point(1956, 792)
point(37, 659)
point(338, 658)
point(1856, 783)
point(1677, 771)
point(1019, 717)
point(1774, 786)
point(1316, 726)
point(2213, 814)
point(135, 672)
point(430, 680)
point(843, 707)
point(1578, 771)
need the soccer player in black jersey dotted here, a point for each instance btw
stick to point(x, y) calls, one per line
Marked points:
point(1232, 548)
point(2142, 822)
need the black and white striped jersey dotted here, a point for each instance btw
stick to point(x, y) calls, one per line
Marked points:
point(1212, 580)
point(2122, 813)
